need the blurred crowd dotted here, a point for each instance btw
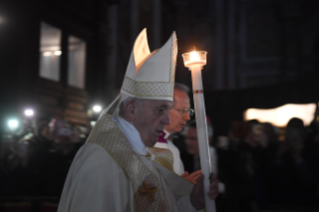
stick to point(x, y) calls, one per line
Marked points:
point(257, 164)
point(37, 163)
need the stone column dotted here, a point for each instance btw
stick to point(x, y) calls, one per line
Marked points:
point(112, 55)
point(219, 45)
point(157, 23)
point(291, 66)
point(134, 20)
point(231, 66)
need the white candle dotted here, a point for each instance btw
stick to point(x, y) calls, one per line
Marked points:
point(195, 62)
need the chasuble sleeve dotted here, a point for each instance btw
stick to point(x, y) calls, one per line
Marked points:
point(178, 164)
point(96, 183)
point(183, 204)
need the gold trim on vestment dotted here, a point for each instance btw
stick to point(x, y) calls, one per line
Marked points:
point(163, 157)
point(108, 135)
point(148, 191)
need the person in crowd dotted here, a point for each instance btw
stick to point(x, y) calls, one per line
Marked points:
point(260, 145)
point(235, 171)
point(311, 157)
point(179, 115)
point(191, 158)
point(271, 134)
point(292, 172)
point(61, 155)
point(28, 163)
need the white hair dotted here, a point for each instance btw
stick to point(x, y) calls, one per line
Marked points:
point(122, 104)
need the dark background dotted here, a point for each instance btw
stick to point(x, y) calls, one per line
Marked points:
point(260, 53)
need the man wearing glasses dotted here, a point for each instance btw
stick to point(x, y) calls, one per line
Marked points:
point(179, 115)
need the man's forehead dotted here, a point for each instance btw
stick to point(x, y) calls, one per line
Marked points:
point(181, 97)
point(160, 103)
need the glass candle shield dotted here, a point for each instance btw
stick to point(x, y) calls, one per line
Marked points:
point(194, 58)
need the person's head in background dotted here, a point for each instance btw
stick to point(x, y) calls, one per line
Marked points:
point(313, 132)
point(295, 132)
point(64, 135)
point(270, 132)
point(181, 111)
point(191, 139)
point(239, 130)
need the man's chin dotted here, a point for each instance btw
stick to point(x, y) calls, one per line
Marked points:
point(179, 129)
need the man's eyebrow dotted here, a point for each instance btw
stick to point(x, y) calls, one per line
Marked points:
point(165, 106)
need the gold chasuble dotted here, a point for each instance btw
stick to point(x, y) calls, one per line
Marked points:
point(107, 134)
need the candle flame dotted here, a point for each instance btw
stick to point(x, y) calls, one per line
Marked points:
point(194, 56)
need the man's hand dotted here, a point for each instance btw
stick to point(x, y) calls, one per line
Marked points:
point(192, 177)
point(197, 196)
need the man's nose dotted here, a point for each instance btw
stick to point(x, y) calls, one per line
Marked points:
point(186, 116)
point(166, 120)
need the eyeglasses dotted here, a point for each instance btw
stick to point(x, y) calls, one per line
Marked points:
point(185, 110)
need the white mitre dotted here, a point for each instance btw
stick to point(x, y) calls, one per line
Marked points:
point(151, 75)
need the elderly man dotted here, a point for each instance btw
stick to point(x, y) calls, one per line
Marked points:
point(179, 115)
point(118, 169)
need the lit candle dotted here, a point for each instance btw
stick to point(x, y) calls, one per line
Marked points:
point(195, 61)
point(194, 58)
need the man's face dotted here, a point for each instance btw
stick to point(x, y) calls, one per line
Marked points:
point(191, 141)
point(151, 118)
point(178, 119)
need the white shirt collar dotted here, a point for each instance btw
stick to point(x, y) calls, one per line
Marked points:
point(132, 135)
point(167, 134)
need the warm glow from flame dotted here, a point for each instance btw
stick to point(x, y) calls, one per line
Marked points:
point(281, 115)
point(194, 57)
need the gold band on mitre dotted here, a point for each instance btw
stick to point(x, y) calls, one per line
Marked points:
point(148, 89)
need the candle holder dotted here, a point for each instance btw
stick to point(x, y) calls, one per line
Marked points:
point(194, 58)
point(195, 61)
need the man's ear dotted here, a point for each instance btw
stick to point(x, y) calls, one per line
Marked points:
point(130, 111)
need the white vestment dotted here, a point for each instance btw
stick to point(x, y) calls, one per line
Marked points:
point(178, 164)
point(97, 182)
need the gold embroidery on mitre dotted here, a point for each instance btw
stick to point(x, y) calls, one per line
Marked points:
point(148, 191)
point(148, 89)
point(107, 134)
point(163, 157)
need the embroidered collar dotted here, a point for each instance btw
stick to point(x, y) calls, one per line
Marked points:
point(132, 135)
